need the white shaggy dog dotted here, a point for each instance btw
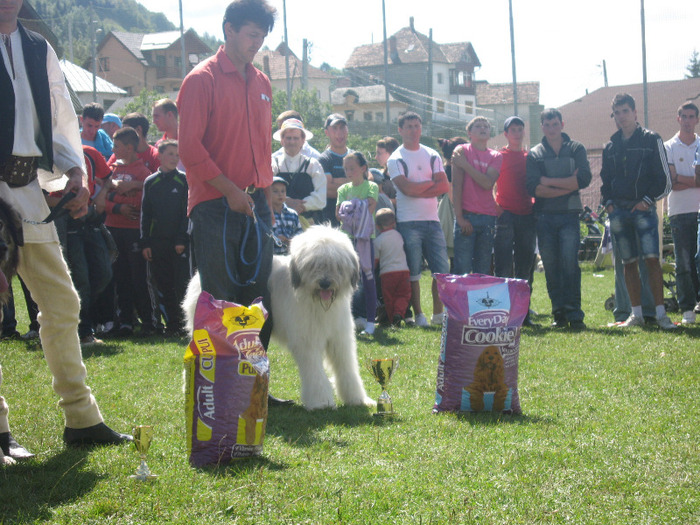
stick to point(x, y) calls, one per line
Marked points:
point(311, 292)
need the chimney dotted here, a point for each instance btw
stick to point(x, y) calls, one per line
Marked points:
point(410, 21)
point(393, 51)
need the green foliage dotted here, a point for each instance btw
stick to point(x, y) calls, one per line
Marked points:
point(143, 103)
point(693, 67)
point(609, 436)
point(307, 103)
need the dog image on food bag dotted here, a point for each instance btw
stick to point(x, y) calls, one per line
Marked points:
point(489, 376)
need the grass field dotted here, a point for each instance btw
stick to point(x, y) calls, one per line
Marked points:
point(609, 435)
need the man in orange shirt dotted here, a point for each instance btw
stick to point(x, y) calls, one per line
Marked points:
point(225, 139)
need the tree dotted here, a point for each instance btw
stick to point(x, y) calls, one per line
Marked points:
point(693, 66)
point(143, 103)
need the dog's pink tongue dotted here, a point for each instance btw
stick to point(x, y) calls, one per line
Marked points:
point(4, 285)
point(326, 297)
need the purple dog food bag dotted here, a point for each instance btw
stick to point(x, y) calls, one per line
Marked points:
point(478, 366)
point(226, 377)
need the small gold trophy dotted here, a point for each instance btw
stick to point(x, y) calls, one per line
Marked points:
point(383, 370)
point(143, 435)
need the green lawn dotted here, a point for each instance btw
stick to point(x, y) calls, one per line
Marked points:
point(609, 435)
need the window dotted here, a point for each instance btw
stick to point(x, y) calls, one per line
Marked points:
point(104, 63)
point(440, 80)
point(379, 116)
point(367, 117)
point(160, 60)
point(440, 106)
point(469, 107)
point(350, 115)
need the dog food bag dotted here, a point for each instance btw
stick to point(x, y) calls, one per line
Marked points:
point(226, 377)
point(478, 366)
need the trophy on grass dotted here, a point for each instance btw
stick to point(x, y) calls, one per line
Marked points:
point(143, 435)
point(383, 370)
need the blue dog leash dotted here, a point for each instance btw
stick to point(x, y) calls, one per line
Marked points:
point(250, 223)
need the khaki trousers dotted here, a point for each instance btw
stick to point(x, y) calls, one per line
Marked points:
point(45, 273)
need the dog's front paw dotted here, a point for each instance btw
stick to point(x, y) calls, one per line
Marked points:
point(6, 460)
point(319, 404)
point(362, 401)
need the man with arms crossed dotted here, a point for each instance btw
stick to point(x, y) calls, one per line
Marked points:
point(556, 169)
point(635, 175)
point(419, 177)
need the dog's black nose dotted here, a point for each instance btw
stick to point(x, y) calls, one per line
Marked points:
point(324, 283)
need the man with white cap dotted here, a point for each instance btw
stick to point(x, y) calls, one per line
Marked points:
point(306, 180)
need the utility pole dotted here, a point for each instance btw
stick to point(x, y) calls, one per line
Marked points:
point(644, 70)
point(182, 45)
point(286, 57)
point(93, 32)
point(386, 73)
point(605, 73)
point(512, 58)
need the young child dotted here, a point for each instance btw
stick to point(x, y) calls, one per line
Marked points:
point(121, 199)
point(393, 269)
point(164, 235)
point(356, 204)
point(286, 219)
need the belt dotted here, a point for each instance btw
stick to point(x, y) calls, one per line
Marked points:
point(250, 190)
point(18, 171)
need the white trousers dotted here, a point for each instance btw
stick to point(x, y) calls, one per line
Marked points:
point(45, 273)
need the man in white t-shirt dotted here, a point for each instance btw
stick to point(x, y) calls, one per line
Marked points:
point(419, 177)
point(683, 206)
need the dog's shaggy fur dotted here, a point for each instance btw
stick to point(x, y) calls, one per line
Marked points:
point(10, 240)
point(311, 292)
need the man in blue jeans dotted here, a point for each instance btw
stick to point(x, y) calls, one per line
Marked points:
point(419, 177)
point(683, 205)
point(556, 169)
point(635, 175)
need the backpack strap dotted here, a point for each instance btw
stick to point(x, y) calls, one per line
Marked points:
point(404, 165)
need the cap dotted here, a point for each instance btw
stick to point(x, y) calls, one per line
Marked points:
point(512, 120)
point(333, 119)
point(292, 123)
point(377, 175)
point(111, 117)
point(280, 179)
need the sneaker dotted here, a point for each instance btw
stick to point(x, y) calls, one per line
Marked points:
point(90, 340)
point(13, 334)
point(410, 321)
point(632, 320)
point(665, 323)
point(31, 334)
point(125, 330)
point(360, 323)
point(688, 317)
point(438, 318)
point(421, 320)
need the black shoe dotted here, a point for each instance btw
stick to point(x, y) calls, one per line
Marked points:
point(95, 435)
point(14, 334)
point(530, 324)
point(13, 449)
point(277, 402)
point(396, 321)
point(559, 323)
point(577, 325)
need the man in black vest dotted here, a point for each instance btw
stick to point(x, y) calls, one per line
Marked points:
point(39, 130)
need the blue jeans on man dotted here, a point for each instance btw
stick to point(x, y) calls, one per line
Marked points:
point(514, 245)
point(684, 228)
point(559, 238)
point(473, 251)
